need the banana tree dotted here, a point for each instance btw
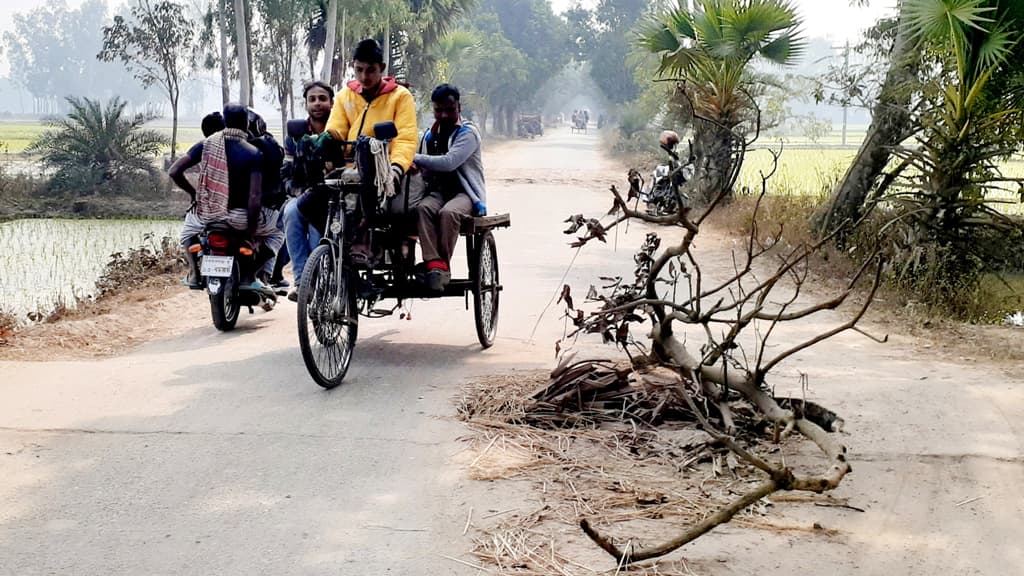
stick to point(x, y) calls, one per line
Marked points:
point(710, 50)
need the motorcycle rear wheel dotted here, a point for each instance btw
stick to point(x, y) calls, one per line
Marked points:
point(224, 305)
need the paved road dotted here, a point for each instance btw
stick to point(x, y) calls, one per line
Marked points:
point(215, 454)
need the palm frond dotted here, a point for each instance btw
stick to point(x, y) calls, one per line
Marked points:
point(784, 50)
point(938, 19)
point(680, 23)
point(653, 35)
point(996, 46)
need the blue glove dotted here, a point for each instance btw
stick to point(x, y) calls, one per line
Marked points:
point(480, 208)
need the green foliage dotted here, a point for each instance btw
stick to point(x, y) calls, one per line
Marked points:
point(601, 37)
point(156, 43)
point(491, 76)
point(96, 147)
point(500, 57)
point(633, 122)
point(453, 52)
point(434, 40)
point(950, 234)
point(280, 22)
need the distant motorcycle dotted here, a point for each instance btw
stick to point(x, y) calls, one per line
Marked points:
point(664, 193)
point(226, 260)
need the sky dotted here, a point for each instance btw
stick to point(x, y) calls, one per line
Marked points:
point(834, 19)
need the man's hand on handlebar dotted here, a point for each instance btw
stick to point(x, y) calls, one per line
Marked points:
point(396, 175)
point(317, 141)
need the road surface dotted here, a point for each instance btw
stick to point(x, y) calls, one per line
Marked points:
point(215, 453)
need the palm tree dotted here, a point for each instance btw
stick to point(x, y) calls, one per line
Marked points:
point(448, 50)
point(966, 121)
point(96, 144)
point(710, 49)
point(436, 19)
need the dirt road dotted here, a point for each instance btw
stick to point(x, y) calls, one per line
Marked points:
point(213, 453)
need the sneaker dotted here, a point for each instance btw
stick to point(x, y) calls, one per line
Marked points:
point(280, 283)
point(255, 286)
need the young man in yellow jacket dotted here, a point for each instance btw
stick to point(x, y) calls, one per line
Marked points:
point(365, 101)
point(371, 98)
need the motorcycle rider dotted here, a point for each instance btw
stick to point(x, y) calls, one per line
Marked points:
point(229, 190)
point(452, 164)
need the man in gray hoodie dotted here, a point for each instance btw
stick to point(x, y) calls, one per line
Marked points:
point(452, 164)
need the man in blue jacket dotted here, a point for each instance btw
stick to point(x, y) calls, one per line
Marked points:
point(451, 160)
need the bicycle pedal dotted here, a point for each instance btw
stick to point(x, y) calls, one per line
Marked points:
point(382, 312)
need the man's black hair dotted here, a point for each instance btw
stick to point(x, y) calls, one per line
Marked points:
point(236, 116)
point(369, 51)
point(212, 123)
point(317, 84)
point(444, 92)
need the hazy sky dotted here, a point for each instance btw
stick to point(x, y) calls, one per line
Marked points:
point(834, 19)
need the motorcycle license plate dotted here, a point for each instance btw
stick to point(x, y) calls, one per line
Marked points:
point(217, 266)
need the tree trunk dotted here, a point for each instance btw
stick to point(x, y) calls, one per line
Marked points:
point(174, 125)
point(251, 59)
point(890, 121)
point(712, 147)
point(332, 26)
point(499, 120)
point(292, 42)
point(344, 53)
point(225, 79)
point(284, 118)
point(242, 42)
point(387, 48)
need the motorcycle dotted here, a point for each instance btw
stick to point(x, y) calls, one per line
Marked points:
point(226, 260)
point(663, 195)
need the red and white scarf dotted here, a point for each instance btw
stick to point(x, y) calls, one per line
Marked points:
point(212, 190)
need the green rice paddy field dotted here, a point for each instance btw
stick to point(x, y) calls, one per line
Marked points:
point(48, 262)
point(17, 135)
point(813, 171)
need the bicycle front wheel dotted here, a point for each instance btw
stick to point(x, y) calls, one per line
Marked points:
point(328, 317)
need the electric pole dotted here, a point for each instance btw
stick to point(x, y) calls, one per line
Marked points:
point(846, 75)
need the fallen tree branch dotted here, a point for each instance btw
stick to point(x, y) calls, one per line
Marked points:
point(720, 517)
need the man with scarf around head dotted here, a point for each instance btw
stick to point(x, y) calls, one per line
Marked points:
point(451, 160)
point(230, 190)
point(363, 102)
